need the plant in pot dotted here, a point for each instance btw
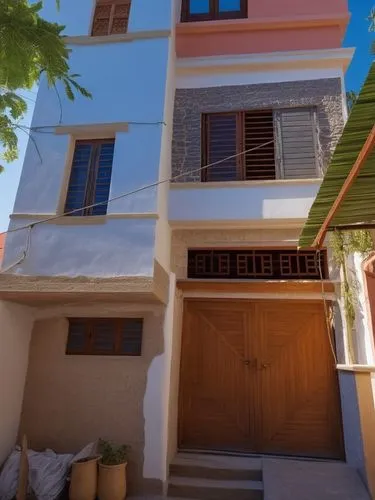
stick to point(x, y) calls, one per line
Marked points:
point(112, 470)
point(83, 481)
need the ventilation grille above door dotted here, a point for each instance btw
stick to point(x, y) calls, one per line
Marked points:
point(257, 264)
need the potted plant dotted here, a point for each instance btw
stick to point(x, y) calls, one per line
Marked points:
point(112, 471)
point(84, 478)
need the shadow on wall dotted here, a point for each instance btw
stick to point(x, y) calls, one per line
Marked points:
point(2, 246)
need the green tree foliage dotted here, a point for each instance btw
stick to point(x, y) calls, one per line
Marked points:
point(351, 98)
point(30, 47)
point(371, 19)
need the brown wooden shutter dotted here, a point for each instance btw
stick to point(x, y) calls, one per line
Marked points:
point(258, 130)
point(220, 141)
point(111, 17)
point(120, 18)
point(131, 337)
point(77, 336)
point(103, 336)
point(297, 143)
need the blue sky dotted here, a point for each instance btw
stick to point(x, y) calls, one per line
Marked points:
point(357, 36)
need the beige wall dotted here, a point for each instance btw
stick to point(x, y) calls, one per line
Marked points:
point(16, 323)
point(175, 377)
point(72, 400)
point(184, 239)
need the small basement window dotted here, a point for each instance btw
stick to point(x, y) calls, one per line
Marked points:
point(212, 10)
point(105, 336)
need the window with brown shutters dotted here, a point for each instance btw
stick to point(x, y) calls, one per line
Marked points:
point(105, 336)
point(90, 178)
point(230, 134)
point(111, 17)
point(260, 145)
point(211, 10)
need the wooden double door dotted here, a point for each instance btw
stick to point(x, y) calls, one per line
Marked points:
point(258, 376)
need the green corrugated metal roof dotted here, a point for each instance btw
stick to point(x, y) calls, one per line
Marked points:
point(359, 204)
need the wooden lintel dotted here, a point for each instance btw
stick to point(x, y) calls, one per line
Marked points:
point(256, 287)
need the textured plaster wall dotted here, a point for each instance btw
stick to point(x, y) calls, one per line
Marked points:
point(119, 95)
point(325, 95)
point(116, 247)
point(175, 375)
point(182, 240)
point(72, 400)
point(16, 323)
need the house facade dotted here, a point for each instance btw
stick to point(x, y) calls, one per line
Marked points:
point(152, 291)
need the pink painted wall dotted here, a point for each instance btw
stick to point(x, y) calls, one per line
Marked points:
point(248, 42)
point(272, 25)
point(292, 8)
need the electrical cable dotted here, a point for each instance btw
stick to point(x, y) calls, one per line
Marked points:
point(326, 308)
point(135, 191)
point(23, 256)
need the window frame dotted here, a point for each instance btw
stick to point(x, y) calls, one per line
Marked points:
point(214, 13)
point(119, 325)
point(113, 4)
point(91, 179)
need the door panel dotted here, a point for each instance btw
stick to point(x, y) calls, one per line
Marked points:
point(214, 395)
point(258, 376)
point(299, 396)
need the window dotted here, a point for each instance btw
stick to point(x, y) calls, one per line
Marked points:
point(210, 10)
point(253, 264)
point(259, 132)
point(111, 17)
point(105, 336)
point(90, 177)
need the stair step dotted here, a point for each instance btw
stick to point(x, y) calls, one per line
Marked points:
point(216, 467)
point(214, 489)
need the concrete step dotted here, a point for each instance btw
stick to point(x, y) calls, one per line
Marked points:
point(303, 480)
point(214, 489)
point(218, 467)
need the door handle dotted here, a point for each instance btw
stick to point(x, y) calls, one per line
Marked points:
point(251, 362)
point(264, 366)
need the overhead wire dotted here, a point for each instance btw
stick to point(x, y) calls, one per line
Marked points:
point(23, 256)
point(136, 191)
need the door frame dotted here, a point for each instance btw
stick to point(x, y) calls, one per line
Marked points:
point(300, 292)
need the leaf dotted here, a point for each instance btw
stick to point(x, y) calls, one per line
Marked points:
point(80, 89)
point(68, 90)
point(30, 48)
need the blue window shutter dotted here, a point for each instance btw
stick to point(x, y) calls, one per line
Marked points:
point(90, 177)
point(79, 178)
point(103, 177)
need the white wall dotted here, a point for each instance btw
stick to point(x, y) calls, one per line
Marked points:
point(16, 323)
point(128, 81)
point(241, 201)
point(118, 247)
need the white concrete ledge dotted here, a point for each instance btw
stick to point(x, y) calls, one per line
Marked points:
point(123, 37)
point(83, 220)
point(236, 184)
point(356, 368)
point(89, 131)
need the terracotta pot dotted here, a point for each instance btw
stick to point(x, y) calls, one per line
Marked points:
point(112, 482)
point(84, 479)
